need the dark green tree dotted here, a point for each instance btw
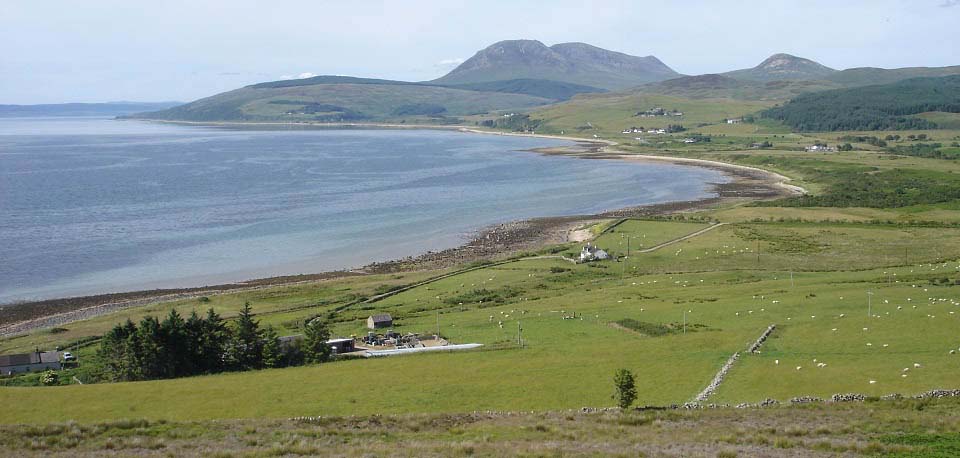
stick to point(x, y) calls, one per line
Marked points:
point(625, 390)
point(115, 352)
point(153, 363)
point(247, 345)
point(213, 345)
point(272, 351)
point(315, 337)
point(178, 362)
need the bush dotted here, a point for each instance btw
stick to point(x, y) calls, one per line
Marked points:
point(50, 378)
point(625, 390)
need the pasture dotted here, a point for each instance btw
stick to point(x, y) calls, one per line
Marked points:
point(715, 293)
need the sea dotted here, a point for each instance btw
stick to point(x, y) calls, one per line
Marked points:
point(96, 205)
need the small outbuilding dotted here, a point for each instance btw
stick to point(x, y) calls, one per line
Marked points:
point(341, 346)
point(29, 362)
point(382, 320)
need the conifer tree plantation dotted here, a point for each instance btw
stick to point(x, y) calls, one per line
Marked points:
point(177, 347)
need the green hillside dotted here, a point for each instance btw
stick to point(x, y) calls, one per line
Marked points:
point(877, 107)
point(606, 115)
point(557, 90)
point(726, 87)
point(865, 76)
point(344, 100)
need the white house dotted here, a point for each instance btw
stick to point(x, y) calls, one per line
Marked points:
point(592, 253)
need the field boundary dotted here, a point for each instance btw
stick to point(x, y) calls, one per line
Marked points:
point(722, 373)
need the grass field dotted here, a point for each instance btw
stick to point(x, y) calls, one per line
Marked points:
point(713, 282)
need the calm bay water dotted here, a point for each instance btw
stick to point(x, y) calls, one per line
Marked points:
point(92, 205)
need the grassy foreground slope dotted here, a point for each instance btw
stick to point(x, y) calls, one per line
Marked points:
point(713, 281)
point(902, 429)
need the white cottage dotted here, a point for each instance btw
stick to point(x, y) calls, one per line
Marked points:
point(592, 253)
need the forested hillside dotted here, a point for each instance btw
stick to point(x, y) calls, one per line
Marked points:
point(880, 107)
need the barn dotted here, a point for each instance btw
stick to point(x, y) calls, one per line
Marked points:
point(382, 320)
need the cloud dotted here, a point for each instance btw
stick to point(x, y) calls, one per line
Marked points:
point(949, 3)
point(459, 60)
point(298, 76)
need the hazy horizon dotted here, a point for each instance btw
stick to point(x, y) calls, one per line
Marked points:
point(109, 50)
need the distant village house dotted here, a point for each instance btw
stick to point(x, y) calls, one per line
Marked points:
point(657, 111)
point(592, 253)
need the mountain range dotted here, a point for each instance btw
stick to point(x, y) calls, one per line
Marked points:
point(577, 63)
point(517, 75)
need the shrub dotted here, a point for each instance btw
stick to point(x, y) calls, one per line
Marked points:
point(50, 378)
point(625, 390)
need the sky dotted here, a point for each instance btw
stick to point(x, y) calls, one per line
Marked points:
point(54, 51)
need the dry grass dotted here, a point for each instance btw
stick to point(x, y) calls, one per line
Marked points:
point(876, 429)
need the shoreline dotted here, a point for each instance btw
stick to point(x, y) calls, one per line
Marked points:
point(492, 242)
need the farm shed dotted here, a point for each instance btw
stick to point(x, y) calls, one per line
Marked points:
point(383, 320)
point(342, 345)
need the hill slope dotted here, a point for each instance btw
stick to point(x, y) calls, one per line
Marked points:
point(725, 87)
point(338, 99)
point(83, 109)
point(577, 63)
point(865, 76)
point(877, 107)
point(783, 67)
point(556, 90)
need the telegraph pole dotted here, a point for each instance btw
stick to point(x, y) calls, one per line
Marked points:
point(869, 304)
point(519, 334)
point(623, 266)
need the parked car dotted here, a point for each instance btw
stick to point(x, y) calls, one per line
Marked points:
point(67, 356)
